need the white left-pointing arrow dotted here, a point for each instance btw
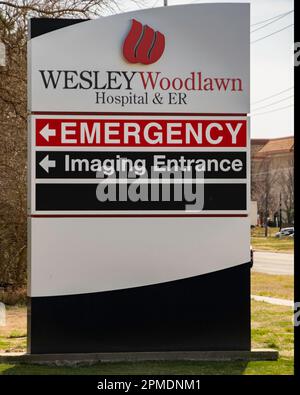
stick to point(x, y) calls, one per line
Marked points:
point(46, 163)
point(46, 132)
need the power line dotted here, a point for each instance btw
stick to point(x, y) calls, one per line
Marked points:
point(269, 23)
point(276, 109)
point(154, 4)
point(276, 94)
point(275, 102)
point(271, 34)
point(274, 17)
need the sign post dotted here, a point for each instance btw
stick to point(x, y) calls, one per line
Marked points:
point(139, 181)
point(2, 54)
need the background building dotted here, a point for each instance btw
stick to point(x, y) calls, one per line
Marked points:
point(272, 184)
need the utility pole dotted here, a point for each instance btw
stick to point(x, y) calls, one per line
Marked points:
point(280, 212)
point(165, 3)
point(2, 54)
point(266, 212)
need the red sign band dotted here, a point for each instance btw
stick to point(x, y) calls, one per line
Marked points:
point(141, 132)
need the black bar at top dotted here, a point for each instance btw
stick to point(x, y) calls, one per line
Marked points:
point(39, 26)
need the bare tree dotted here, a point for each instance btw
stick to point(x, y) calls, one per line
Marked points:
point(264, 179)
point(287, 183)
point(14, 16)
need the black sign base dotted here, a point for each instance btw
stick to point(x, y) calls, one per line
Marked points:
point(207, 312)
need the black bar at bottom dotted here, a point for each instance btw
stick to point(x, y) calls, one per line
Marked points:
point(82, 197)
point(178, 315)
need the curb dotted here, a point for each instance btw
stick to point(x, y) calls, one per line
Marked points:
point(92, 358)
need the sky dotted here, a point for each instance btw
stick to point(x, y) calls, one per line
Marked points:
point(272, 62)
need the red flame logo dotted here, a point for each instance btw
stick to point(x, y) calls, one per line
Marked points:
point(143, 44)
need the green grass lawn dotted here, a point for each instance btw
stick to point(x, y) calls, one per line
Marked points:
point(271, 328)
point(13, 335)
point(261, 243)
point(276, 286)
point(283, 367)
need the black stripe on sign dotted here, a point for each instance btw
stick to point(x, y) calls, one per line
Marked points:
point(74, 164)
point(82, 197)
point(207, 312)
point(39, 26)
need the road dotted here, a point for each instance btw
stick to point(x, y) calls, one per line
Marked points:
point(273, 262)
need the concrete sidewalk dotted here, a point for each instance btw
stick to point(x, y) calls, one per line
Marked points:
point(277, 301)
point(273, 262)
